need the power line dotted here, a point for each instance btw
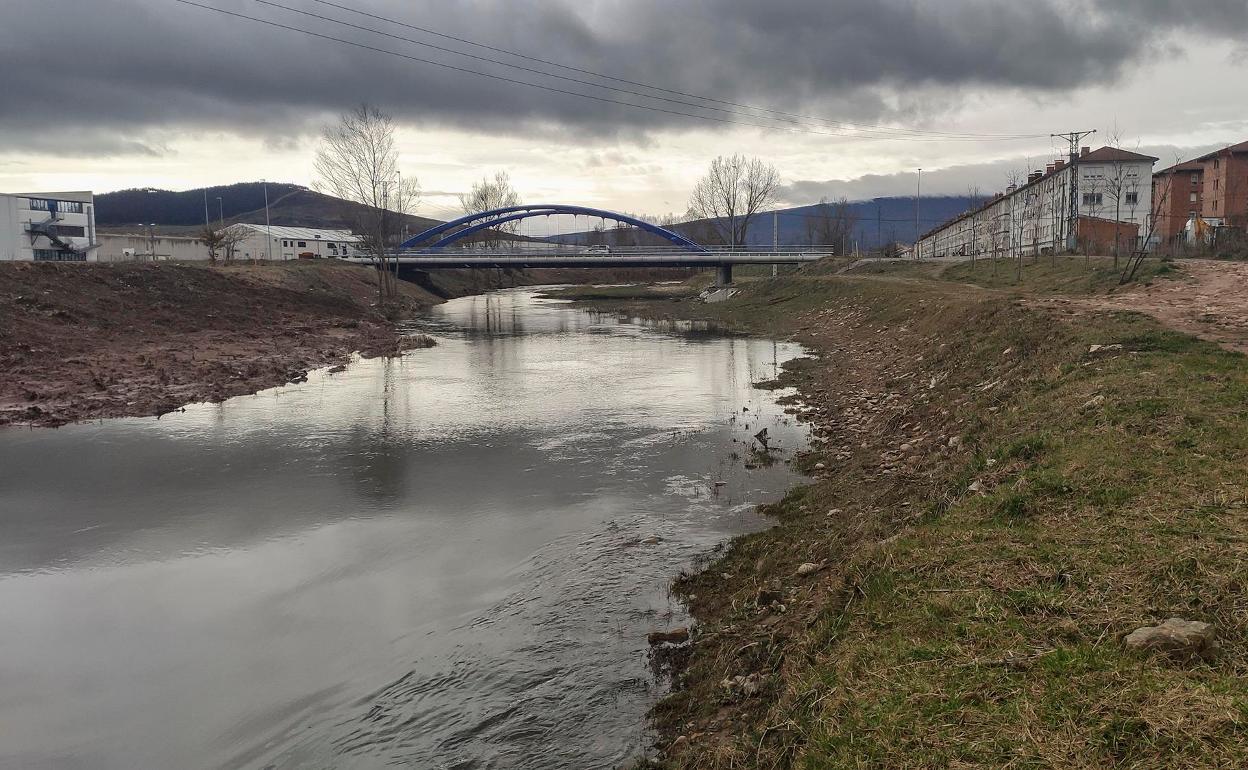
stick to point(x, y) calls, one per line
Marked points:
point(687, 95)
point(503, 78)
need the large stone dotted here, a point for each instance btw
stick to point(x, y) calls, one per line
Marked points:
point(675, 636)
point(1176, 638)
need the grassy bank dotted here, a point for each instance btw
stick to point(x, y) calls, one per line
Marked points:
point(995, 503)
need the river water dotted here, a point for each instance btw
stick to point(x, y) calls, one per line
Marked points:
point(445, 560)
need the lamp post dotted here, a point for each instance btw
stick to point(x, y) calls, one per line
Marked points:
point(918, 229)
point(267, 224)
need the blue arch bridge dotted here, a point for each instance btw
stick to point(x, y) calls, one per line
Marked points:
point(442, 247)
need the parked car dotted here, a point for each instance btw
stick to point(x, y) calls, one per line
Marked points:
point(598, 249)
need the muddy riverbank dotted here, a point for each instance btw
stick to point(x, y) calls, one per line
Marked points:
point(86, 341)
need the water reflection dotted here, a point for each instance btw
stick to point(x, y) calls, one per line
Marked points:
point(435, 561)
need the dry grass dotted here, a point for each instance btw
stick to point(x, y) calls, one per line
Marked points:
point(959, 628)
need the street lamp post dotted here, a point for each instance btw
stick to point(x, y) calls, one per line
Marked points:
point(918, 229)
point(267, 224)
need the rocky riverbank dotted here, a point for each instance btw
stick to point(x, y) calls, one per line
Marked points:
point(1008, 505)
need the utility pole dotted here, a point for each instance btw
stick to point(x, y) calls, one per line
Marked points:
point(268, 252)
point(221, 211)
point(775, 241)
point(1072, 224)
point(879, 229)
point(207, 226)
point(918, 230)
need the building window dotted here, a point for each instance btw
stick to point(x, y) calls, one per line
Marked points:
point(1193, 200)
point(68, 231)
point(46, 204)
point(1132, 199)
point(1195, 179)
point(58, 255)
point(1093, 199)
point(303, 244)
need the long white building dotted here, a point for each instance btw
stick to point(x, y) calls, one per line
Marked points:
point(276, 242)
point(48, 227)
point(1115, 186)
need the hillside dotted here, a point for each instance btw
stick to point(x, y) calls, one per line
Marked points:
point(877, 222)
point(289, 205)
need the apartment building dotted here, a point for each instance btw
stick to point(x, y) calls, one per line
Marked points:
point(48, 227)
point(1224, 201)
point(1178, 196)
point(1115, 187)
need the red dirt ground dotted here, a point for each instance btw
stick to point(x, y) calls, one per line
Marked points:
point(80, 342)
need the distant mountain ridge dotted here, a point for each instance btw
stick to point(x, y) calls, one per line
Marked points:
point(290, 205)
point(877, 222)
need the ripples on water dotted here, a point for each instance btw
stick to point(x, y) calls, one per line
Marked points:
point(436, 561)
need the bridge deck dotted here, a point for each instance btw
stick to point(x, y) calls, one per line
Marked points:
point(630, 259)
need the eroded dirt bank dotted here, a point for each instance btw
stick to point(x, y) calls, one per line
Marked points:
point(1000, 494)
point(87, 341)
point(80, 342)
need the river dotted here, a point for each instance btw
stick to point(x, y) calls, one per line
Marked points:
point(445, 560)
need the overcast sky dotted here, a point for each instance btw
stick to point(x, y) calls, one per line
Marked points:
point(139, 93)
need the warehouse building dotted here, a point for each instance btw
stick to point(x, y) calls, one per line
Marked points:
point(261, 241)
point(48, 227)
point(1115, 205)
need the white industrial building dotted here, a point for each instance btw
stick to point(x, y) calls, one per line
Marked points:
point(286, 243)
point(1115, 186)
point(48, 227)
point(283, 243)
point(150, 247)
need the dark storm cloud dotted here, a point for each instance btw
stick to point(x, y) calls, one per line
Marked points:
point(121, 67)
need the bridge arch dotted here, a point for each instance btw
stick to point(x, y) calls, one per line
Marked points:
point(448, 232)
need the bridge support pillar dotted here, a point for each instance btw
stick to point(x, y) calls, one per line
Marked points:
point(723, 275)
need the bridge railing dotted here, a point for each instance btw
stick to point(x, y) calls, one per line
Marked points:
point(520, 248)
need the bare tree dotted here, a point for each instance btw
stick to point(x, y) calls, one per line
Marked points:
point(359, 163)
point(212, 239)
point(230, 239)
point(1141, 251)
point(734, 190)
point(831, 224)
point(490, 194)
point(1122, 189)
point(975, 199)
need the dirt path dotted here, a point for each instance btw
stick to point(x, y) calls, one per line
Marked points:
point(1208, 300)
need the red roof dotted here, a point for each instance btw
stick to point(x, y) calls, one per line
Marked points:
point(1234, 149)
point(1113, 154)
point(1186, 166)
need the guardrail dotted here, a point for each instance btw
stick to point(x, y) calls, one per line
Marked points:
point(617, 251)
